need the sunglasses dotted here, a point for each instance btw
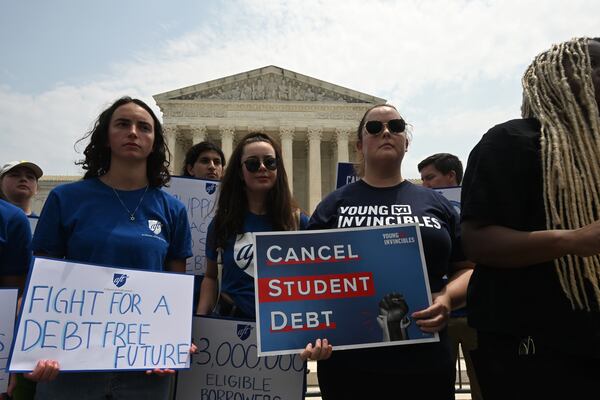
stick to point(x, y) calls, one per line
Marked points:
point(253, 164)
point(395, 126)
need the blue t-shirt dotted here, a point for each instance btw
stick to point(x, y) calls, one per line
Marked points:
point(238, 270)
point(15, 240)
point(85, 221)
point(359, 204)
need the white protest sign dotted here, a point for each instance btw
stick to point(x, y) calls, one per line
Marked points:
point(99, 318)
point(226, 366)
point(33, 221)
point(199, 197)
point(451, 193)
point(8, 299)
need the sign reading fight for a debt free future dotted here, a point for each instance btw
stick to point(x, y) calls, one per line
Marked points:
point(227, 366)
point(99, 318)
point(356, 287)
point(8, 299)
point(199, 197)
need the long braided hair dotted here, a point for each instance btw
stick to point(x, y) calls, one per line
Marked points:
point(558, 90)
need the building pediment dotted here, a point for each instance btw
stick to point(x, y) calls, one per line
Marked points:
point(270, 84)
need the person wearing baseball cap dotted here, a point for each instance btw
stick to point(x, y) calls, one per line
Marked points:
point(19, 183)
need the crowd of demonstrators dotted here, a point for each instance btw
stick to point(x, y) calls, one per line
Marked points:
point(126, 165)
point(530, 211)
point(204, 160)
point(444, 170)
point(530, 221)
point(423, 370)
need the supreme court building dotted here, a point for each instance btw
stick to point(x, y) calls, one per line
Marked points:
point(315, 122)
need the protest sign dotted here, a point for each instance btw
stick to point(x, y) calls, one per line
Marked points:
point(345, 174)
point(452, 193)
point(199, 197)
point(8, 299)
point(226, 366)
point(356, 287)
point(90, 317)
point(33, 221)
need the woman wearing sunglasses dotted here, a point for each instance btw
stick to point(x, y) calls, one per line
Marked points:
point(408, 371)
point(254, 197)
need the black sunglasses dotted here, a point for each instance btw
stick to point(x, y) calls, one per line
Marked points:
point(253, 164)
point(395, 126)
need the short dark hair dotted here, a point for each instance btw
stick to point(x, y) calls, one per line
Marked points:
point(194, 152)
point(97, 153)
point(445, 163)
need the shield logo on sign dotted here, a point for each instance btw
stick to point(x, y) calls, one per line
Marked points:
point(243, 331)
point(119, 279)
point(211, 187)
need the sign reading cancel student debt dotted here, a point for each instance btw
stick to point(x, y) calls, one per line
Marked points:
point(99, 318)
point(356, 287)
point(8, 299)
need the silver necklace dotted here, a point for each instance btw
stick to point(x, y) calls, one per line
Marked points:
point(131, 214)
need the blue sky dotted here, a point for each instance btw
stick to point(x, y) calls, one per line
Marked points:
point(452, 67)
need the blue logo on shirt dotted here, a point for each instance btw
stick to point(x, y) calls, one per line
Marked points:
point(119, 279)
point(211, 187)
point(243, 331)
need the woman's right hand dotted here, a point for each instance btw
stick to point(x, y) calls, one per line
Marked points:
point(44, 371)
point(320, 351)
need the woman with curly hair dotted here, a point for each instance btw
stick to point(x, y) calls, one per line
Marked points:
point(104, 219)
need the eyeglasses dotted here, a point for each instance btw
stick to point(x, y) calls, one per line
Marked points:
point(253, 164)
point(395, 126)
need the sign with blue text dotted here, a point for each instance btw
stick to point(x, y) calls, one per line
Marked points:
point(93, 318)
point(345, 174)
point(199, 197)
point(8, 299)
point(227, 366)
point(356, 287)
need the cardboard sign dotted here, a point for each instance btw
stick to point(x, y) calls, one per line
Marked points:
point(452, 194)
point(8, 299)
point(91, 317)
point(356, 287)
point(226, 366)
point(199, 197)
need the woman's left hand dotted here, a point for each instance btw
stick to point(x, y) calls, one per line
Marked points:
point(168, 371)
point(435, 317)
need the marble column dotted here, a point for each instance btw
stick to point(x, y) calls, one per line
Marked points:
point(227, 133)
point(198, 134)
point(314, 167)
point(170, 132)
point(287, 140)
point(341, 136)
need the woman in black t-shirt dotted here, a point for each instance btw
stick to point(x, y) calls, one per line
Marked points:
point(407, 371)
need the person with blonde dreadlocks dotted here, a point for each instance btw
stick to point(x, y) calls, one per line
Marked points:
point(530, 220)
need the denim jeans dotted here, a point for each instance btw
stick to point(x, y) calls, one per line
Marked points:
point(104, 386)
